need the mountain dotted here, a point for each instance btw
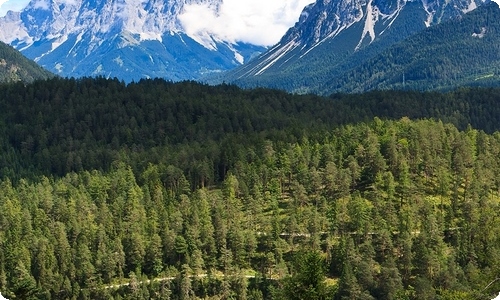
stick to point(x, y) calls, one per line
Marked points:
point(464, 51)
point(15, 67)
point(333, 37)
point(127, 39)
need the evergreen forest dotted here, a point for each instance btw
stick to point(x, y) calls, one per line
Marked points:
point(15, 67)
point(161, 190)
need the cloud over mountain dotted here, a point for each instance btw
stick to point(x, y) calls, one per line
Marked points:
point(259, 22)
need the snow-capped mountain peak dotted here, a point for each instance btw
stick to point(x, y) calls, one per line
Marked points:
point(83, 37)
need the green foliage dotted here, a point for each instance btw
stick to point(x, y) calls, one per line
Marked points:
point(392, 209)
point(15, 67)
point(196, 133)
point(308, 279)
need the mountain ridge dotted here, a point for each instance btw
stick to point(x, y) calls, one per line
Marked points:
point(333, 37)
point(459, 52)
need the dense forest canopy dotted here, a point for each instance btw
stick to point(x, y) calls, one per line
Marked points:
point(62, 125)
point(158, 190)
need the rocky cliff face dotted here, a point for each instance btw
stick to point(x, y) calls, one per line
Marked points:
point(327, 19)
point(128, 39)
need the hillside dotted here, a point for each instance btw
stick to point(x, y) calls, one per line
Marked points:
point(463, 52)
point(160, 190)
point(15, 67)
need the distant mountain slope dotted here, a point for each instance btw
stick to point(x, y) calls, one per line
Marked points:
point(455, 53)
point(333, 37)
point(127, 39)
point(15, 67)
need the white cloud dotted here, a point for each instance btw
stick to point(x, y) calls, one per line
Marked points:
point(15, 5)
point(260, 22)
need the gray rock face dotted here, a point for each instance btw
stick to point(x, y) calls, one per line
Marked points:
point(127, 39)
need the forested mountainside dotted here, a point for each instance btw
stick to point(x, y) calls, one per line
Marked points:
point(15, 67)
point(158, 190)
point(461, 52)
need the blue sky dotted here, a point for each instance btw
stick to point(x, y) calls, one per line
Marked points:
point(16, 5)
